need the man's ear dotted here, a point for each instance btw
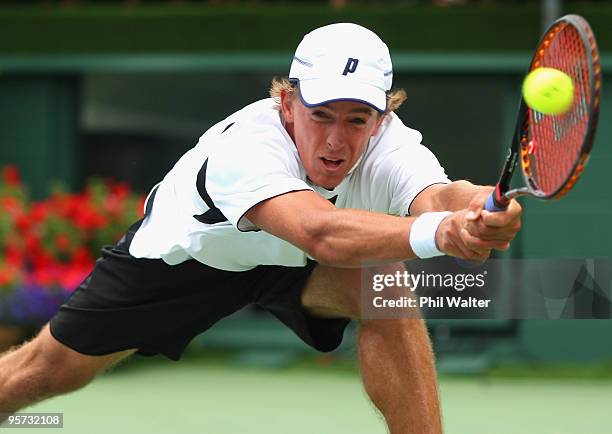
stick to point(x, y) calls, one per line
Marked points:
point(286, 106)
point(379, 121)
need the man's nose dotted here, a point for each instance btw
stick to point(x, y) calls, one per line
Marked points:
point(335, 138)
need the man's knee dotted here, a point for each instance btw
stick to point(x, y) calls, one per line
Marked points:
point(339, 292)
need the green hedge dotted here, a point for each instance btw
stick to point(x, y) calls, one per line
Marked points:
point(193, 28)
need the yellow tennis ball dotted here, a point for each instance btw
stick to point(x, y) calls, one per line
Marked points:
point(548, 91)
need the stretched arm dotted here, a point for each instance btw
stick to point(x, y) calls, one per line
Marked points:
point(351, 238)
point(335, 237)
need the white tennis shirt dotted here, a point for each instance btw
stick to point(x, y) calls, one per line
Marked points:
point(198, 208)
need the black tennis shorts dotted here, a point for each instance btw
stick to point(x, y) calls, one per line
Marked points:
point(129, 302)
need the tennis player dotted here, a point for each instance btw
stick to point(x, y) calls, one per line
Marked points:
point(281, 204)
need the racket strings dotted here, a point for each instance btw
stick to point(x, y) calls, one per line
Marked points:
point(555, 141)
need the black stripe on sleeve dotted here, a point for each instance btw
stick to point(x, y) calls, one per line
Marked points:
point(422, 190)
point(214, 214)
point(149, 206)
point(228, 127)
point(263, 200)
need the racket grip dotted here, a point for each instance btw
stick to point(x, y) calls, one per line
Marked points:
point(496, 202)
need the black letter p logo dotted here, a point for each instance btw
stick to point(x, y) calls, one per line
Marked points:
point(351, 66)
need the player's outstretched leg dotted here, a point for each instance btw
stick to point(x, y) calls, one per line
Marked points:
point(44, 367)
point(399, 376)
point(397, 363)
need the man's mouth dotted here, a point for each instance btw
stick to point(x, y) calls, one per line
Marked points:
point(331, 163)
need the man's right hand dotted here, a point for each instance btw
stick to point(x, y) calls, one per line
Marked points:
point(454, 239)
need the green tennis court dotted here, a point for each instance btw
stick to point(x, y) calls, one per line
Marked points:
point(197, 396)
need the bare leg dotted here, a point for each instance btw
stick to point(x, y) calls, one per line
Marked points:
point(399, 374)
point(43, 368)
point(397, 364)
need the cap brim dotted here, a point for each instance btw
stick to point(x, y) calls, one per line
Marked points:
point(320, 91)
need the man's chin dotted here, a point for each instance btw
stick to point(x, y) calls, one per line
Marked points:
point(327, 182)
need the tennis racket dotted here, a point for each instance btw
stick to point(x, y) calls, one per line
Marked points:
point(553, 149)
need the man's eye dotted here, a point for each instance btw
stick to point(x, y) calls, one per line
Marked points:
point(320, 114)
point(358, 121)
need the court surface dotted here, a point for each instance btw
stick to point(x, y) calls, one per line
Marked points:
point(194, 397)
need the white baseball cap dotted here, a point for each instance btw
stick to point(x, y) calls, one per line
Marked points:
point(342, 61)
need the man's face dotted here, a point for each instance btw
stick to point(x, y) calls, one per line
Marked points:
point(330, 138)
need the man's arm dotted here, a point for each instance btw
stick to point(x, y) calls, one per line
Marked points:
point(336, 237)
point(447, 197)
point(351, 238)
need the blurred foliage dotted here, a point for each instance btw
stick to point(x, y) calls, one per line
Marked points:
point(190, 27)
point(48, 247)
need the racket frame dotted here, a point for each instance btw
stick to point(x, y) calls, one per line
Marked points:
point(519, 150)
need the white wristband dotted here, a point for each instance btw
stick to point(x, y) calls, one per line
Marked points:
point(423, 234)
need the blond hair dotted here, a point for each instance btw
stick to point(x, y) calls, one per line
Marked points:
point(395, 97)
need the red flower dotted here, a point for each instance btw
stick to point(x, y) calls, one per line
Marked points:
point(140, 206)
point(13, 255)
point(89, 219)
point(72, 275)
point(54, 242)
point(10, 204)
point(120, 190)
point(32, 243)
point(114, 205)
point(23, 222)
point(10, 175)
point(69, 206)
point(62, 242)
point(45, 276)
point(82, 258)
point(39, 211)
point(8, 274)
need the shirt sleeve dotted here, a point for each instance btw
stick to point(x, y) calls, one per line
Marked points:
point(247, 170)
point(414, 168)
point(401, 167)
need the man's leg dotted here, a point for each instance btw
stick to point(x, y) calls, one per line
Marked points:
point(43, 368)
point(397, 364)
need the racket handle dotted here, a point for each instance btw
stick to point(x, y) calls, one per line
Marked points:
point(496, 202)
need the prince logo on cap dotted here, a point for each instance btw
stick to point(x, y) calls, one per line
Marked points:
point(351, 66)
